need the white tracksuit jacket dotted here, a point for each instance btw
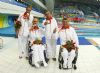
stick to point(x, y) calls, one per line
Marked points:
point(23, 33)
point(38, 49)
point(68, 35)
point(50, 38)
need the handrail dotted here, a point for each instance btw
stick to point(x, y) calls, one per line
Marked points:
point(1, 43)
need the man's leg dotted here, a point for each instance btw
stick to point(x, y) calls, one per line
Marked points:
point(65, 57)
point(35, 57)
point(48, 49)
point(20, 46)
point(41, 55)
point(70, 58)
point(25, 47)
point(53, 45)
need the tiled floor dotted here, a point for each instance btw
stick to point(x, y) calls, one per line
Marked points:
point(88, 61)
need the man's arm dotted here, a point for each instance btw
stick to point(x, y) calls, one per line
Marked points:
point(76, 39)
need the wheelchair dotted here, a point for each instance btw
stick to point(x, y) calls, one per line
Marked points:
point(61, 61)
point(30, 55)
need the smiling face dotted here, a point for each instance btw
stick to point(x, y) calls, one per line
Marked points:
point(28, 9)
point(65, 22)
point(35, 21)
point(47, 14)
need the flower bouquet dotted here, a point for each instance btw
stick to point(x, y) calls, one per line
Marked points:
point(69, 45)
point(18, 25)
point(37, 41)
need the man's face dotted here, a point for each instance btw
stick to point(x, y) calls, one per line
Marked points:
point(28, 9)
point(65, 22)
point(35, 21)
point(47, 14)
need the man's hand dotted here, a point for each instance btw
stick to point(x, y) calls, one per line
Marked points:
point(46, 22)
point(77, 48)
point(54, 31)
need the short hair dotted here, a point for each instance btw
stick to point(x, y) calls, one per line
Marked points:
point(36, 18)
point(29, 6)
point(45, 11)
point(64, 18)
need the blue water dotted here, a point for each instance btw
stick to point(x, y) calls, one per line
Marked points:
point(81, 32)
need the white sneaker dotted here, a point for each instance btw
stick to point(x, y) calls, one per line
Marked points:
point(37, 65)
point(70, 66)
point(45, 64)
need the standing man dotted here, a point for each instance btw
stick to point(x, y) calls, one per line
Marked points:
point(50, 25)
point(25, 20)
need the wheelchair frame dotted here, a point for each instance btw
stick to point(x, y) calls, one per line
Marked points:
point(60, 59)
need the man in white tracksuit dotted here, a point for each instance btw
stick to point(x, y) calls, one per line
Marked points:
point(36, 33)
point(50, 25)
point(67, 33)
point(26, 22)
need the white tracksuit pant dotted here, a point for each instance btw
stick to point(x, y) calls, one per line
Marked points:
point(38, 53)
point(51, 48)
point(23, 34)
point(22, 42)
point(50, 39)
point(68, 57)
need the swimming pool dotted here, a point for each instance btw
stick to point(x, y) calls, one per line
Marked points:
point(87, 29)
point(82, 29)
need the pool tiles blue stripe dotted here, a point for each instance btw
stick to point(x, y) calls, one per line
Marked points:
point(83, 41)
point(92, 42)
point(95, 44)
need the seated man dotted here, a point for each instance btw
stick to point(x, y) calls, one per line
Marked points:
point(69, 43)
point(37, 47)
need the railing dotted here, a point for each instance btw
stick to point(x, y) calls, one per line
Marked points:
point(1, 43)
